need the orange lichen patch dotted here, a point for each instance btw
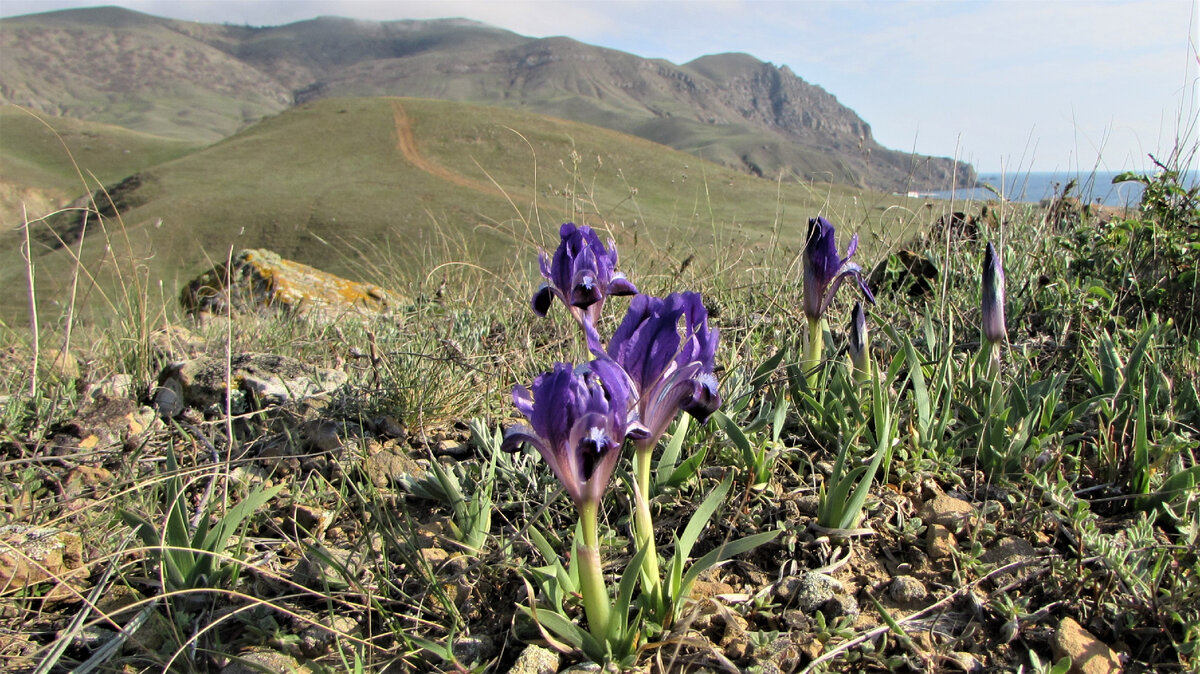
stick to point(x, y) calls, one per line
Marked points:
point(261, 278)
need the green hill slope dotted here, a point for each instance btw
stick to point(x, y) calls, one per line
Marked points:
point(379, 189)
point(41, 159)
point(205, 81)
point(34, 149)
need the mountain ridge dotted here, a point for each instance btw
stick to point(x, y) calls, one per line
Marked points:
point(206, 81)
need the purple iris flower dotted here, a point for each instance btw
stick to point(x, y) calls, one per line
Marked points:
point(578, 419)
point(993, 296)
point(824, 271)
point(670, 370)
point(581, 274)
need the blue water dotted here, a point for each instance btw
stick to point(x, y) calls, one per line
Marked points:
point(1033, 187)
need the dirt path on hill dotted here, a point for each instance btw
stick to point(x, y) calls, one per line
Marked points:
point(406, 143)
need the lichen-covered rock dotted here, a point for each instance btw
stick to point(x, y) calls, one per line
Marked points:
point(385, 466)
point(255, 662)
point(1007, 551)
point(906, 589)
point(262, 279)
point(953, 513)
point(31, 555)
point(101, 424)
point(808, 591)
point(318, 639)
point(256, 380)
point(535, 660)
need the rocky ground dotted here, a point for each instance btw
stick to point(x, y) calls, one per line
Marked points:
point(352, 562)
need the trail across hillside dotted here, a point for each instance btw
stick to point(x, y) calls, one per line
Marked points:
point(407, 145)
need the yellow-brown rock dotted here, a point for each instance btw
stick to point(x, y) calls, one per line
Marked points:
point(262, 279)
point(1088, 654)
point(31, 555)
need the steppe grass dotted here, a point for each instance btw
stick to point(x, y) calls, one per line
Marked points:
point(1082, 442)
point(39, 151)
point(325, 184)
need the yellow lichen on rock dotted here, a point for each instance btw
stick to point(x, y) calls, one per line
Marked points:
point(261, 278)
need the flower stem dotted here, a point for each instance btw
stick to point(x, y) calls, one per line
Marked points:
point(988, 360)
point(644, 523)
point(596, 602)
point(814, 349)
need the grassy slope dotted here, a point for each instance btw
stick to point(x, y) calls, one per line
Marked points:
point(34, 150)
point(581, 83)
point(325, 184)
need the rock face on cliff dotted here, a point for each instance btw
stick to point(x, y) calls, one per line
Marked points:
point(776, 99)
point(206, 80)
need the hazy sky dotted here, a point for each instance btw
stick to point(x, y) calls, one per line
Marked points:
point(1017, 85)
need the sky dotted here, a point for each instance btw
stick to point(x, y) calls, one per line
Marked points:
point(1007, 85)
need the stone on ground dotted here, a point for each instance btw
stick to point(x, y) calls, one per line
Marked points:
point(259, 279)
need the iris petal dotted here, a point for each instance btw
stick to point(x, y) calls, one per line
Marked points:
point(667, 347)
point(703, 399)
point(585, 289)
point(542, 299)
point(619, 285)
point(578, 419)
point(824, 271)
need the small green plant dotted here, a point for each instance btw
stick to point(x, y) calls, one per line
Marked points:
point(757, 455)
point(842, 501)
point(471, 515)
point(669, 471)
point(1062, 666)
point(679, 581)
point(191, 555)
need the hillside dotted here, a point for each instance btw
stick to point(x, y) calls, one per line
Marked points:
point(38, 151)
point(120, 67)
point(356, 186)
point(203, 82)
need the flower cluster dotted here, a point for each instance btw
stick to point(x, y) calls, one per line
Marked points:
point(650, 365)
point(659, 362)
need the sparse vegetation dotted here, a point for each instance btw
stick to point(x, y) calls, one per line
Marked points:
point(952, 513)
point(351, 203)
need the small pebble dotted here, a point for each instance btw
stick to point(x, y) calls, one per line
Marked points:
point(906, 589)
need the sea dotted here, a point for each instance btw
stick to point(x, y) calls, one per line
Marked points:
point(1036, 186)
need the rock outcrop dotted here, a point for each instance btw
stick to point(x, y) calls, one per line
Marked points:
point(259, 279)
